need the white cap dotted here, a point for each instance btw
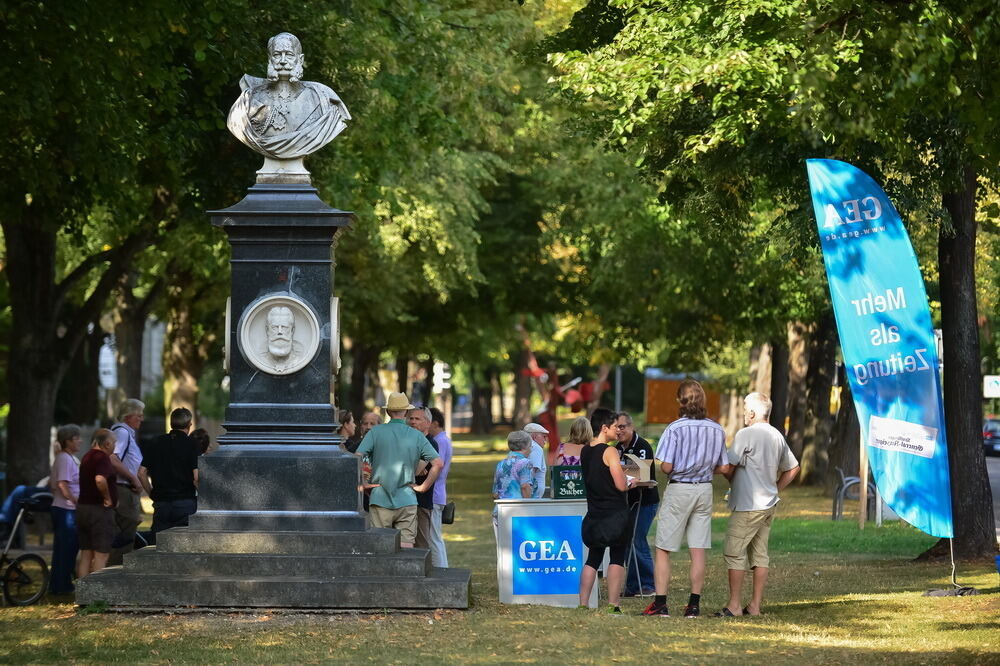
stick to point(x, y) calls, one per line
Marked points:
point(533, 428)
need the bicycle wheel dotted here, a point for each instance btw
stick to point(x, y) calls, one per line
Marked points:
point(25, 580)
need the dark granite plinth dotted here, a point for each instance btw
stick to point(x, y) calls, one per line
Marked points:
point(190, 540)
point(282, 239)
point(443, 588)
point(409, 562)
point(198, 568)
point(279, 487)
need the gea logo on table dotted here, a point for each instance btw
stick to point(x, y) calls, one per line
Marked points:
point(545, 551)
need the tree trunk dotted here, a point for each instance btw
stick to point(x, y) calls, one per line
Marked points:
point(402, 373)
point(77, 399)
point(362, 358)
point(972, 503)
point(522, 391)
point(32, 406)
point(183, 358)
point(734, 418)
point(482, 402)
point(45, 331)
point(760, 369)
point(34, 367)
point(497, 384)
point(845, 451)
point(428, 368)
point(799, 335)
point(779, 384)
point(130, 324)
point(819, 382)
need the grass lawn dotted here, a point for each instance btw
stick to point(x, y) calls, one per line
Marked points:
point(837, 595)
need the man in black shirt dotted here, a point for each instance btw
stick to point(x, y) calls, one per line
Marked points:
point(170, 462)
point(645, 502)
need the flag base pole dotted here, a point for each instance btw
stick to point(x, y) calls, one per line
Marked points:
point(956, 590)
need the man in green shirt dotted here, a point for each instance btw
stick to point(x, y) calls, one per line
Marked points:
point(394, 449)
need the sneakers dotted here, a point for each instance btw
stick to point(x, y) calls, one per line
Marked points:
point(656, 611)
point(614, 610)
point(691, 611)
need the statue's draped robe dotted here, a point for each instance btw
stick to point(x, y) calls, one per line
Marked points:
point(319, 116)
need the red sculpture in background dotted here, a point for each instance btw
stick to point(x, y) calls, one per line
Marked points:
point(587, 396)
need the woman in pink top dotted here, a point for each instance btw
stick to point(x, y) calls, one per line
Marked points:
point(580, 435)
point(64, 480)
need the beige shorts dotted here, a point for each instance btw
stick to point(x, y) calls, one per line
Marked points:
point(685, 512)
point(746, 539)
point(403, 519)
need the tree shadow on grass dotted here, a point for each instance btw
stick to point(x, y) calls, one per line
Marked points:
point(966, 626)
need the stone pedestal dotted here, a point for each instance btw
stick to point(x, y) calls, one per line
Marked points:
point(274, 569)
point(279, 521)
point(279, 487)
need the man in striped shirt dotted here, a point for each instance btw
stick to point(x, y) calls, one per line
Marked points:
point(690, 451)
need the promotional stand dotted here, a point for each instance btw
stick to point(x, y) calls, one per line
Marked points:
point(540, 552)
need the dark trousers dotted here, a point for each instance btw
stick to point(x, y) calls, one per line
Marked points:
point(128, 515)
point(641, 577)
point(172, 513)
point(64, 550)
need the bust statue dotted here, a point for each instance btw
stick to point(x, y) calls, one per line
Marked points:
point(279, 334)
point(284, 118)
point(281, 350)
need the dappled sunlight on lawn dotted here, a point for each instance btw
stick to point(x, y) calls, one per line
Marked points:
point(459, 537)
point(836, 594)
point(477, 458)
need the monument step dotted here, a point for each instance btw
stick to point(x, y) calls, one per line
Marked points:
point(286, 521)
point(443, 588)
point(376, 541)
point(408, 562)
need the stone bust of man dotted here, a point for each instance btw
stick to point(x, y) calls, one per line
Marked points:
point(282, 350)
point(282, 117)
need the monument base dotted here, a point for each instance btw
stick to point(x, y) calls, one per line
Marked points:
point(278, 526)
point(270, 487)
point(225, 569)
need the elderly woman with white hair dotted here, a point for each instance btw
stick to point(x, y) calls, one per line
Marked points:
point(513, 476)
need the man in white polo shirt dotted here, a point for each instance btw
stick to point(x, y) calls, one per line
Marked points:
point(537, 457)
point(762, 465)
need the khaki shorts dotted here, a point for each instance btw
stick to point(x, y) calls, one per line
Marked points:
point(403, 519)
point(746, 539)
point(685, 511)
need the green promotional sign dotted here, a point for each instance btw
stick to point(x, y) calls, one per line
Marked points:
point(567, 482)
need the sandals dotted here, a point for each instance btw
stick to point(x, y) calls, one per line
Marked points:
point(725, 612)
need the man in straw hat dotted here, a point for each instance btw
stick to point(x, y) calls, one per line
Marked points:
point(394, 449)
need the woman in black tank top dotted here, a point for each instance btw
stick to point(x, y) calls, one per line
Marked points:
point(607, 523)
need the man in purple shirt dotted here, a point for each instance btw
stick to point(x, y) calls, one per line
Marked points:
point(439, 556)
point(690, 451)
